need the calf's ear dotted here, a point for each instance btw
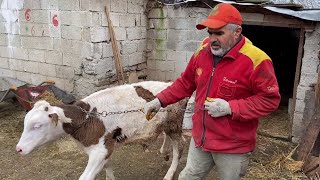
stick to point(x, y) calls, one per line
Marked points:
point(54, 117)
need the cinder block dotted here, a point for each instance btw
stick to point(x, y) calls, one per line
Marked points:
point(97, 5)
point(36, 55)
point(96, 18)
point(158, 13)
point(142, 45)
point(107, 50)
point(50, 4)
point(72, 60)
point(84, 5)
point(144, 20)
point(119, 6)
point(47, 69)
point(121, 33)
point(34, 4)
point(69, 5)
point(54, 57)
point(129, 47)
point(31, 66)
point(179, 56)
point(69, 85)
point(37, 42)
point(181, 23)
point(180, 66)
point(40, 16)
point(14, 40)
point(16, 65)
point(38, 78)
point(3, 40)
point(20, 53)
point(76, 18)
point(165, 65)
point(99, 34)
point(136, 58)
point(32, 29)
point(307, 79)
point(134, 33)
point(54, 31)
point(5, 51)
point(24, 76)
point(65, 72)
point(177, 35)
point(4, 63)
point(71, 32)
point(7, 73)
point(104, 65)
point(135, 6)
point(114, 17)
point(127, 20)
point(97, 51)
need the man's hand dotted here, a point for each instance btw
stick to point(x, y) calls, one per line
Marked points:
point(217, 107)
point(151, 108)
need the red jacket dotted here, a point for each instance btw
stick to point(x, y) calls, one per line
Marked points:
point(245, 78)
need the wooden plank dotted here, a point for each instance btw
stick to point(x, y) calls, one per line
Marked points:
point(115, 50)
point(296, 79)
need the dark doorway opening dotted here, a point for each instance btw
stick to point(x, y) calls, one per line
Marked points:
point(281, 44)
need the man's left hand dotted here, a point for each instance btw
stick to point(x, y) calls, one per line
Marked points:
point(217, 107)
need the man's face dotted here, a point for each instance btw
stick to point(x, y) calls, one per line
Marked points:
point(223, 39)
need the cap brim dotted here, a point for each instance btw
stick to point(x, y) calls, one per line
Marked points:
point(210, 23)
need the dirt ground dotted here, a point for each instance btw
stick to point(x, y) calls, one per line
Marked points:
point(62, 160)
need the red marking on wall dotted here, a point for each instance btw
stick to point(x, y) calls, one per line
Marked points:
point(27, 15)
point(33, 32)
point(55, 21)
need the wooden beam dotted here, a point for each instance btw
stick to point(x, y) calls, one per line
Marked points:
point(296, 79)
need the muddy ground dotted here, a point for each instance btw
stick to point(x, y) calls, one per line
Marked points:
point(62, 160)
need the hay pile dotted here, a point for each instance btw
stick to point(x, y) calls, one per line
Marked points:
point(272, 161)
point(50, 98)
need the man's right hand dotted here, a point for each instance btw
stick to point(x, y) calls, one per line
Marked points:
point(151, 108)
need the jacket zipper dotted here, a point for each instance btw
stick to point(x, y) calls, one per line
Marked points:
point(204, 112)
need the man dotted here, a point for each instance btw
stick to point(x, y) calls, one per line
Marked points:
point(235, 85)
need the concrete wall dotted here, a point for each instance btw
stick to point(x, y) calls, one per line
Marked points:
point(172, 39)
point(68, 41)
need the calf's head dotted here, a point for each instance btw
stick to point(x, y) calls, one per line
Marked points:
point(42, 124)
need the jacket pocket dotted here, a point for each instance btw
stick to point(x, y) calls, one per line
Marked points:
point(226, 91)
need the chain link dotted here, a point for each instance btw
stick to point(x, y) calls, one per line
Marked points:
point(105, 113)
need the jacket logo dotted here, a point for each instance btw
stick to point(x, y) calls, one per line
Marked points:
point(272, 88)
point(199, 71)
point(225, 79)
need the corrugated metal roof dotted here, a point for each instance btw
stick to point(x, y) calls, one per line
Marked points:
point(306, 14)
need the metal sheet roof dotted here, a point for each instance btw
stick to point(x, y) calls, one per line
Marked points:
point(306, 14)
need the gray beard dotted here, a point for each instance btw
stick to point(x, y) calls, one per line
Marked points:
point(220, 52)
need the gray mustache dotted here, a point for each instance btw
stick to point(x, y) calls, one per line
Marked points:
point(215, 44)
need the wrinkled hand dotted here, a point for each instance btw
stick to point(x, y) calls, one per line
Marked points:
point(151, 108)
point(217, 107)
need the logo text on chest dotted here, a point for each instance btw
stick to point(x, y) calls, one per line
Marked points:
point(225, 79)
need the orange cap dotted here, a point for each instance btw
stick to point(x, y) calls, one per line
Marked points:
point(221, 15)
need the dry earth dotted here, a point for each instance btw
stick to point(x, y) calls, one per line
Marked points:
point(62, 160)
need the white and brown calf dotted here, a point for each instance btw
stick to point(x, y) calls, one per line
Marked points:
point(98, 135)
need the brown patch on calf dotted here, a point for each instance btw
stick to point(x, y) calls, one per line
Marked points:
point(144, 93)
point(87, 130)
point(54, 117)
point(109, 144)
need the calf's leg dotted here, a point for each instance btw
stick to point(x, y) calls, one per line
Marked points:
point(97, 160)
point(109, 171)
point(177, 147)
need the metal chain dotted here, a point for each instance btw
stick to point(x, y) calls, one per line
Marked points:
point(105, 113)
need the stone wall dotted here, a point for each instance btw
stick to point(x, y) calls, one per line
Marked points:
point(68, 41)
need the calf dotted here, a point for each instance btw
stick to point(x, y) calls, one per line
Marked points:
point(98, 131)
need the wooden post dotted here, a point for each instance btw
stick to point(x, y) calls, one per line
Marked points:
point(115, 50)
point(296, 80)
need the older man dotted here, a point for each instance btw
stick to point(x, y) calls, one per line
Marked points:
point(235, 85)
